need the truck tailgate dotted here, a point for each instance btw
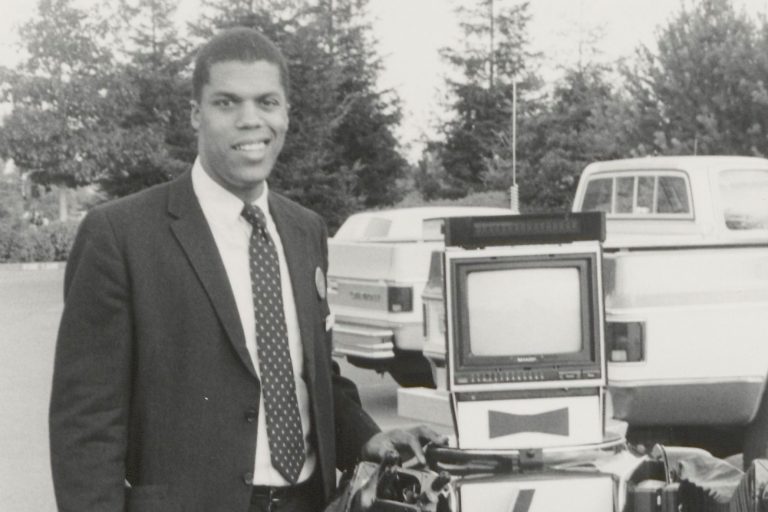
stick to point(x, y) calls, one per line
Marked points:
point(374, 287)
point(374, 262)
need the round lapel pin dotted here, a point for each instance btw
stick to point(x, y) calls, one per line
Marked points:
point(320, 282)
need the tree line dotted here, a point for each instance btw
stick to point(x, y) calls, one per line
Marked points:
point(102, 97)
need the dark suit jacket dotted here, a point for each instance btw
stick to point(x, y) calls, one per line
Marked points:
point(153, 383)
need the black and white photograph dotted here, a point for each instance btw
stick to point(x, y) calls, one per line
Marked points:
point(383, 255)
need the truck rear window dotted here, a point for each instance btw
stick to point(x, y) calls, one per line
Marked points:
point(745, 198)
point(628, 194)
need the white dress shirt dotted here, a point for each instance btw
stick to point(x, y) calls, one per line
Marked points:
point(232, 234)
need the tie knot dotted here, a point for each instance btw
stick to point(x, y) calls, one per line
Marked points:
point(254, 216)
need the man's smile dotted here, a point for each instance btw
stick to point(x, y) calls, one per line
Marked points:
point(252, 148)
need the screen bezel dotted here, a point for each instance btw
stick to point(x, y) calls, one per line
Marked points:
point(462, 270)
point(461, 362)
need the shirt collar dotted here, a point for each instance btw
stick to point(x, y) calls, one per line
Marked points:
point(218, 202)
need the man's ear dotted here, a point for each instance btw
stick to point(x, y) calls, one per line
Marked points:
point(194, 114)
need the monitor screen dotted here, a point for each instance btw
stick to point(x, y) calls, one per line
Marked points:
point(524, 311)
point(524, 318)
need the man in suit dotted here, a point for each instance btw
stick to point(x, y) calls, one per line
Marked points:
point(193, 368)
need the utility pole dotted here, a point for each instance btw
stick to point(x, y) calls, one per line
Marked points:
point(492, 56)
point(514, 192)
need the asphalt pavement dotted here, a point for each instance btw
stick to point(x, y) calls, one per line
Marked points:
point(30, 306)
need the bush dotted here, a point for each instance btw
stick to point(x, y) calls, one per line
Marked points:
point(27, 243)
point(60, 236)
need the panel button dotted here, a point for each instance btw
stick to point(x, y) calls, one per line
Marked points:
point(572, 375)
point(590, 374)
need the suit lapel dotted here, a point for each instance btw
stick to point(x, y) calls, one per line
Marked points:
point(293, 234)
point(191, 230)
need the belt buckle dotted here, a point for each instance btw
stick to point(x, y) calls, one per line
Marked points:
point(273, 498)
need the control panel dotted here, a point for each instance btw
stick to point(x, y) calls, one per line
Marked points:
point(527, 375)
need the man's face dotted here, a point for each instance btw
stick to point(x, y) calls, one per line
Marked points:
point(241, 121)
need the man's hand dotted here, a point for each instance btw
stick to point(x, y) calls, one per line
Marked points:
point(401, 444)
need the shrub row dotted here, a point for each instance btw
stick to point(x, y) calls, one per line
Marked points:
point(27, 242)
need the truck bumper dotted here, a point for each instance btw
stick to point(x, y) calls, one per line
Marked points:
point(375, 340)
point(696, 403)
point(363, 342)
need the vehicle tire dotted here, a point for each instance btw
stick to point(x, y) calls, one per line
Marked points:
point(411, 370)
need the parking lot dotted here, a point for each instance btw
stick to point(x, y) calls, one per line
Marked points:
point(30, 305)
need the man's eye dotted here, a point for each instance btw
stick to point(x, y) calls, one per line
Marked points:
point(223, 103)
point(270, 102)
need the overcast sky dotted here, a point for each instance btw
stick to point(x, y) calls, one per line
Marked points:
point(410, 32)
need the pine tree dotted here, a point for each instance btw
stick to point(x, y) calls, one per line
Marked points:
point(155, 141)
point(495, 54)
point(363, 137)
point(583, 123)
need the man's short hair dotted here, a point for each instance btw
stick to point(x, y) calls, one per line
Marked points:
point(240, 44)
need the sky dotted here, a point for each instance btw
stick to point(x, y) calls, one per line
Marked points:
point(411, 32)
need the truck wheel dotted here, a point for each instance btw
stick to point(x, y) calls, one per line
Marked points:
point(411, 370)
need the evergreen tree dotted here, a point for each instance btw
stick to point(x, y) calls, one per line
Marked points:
point(583, 123)
point(495, 54)
point(156, 131)
point(363, 137)
point(704, 91)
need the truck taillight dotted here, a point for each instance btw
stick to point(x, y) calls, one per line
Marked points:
point(625, 341)
point(400, 299)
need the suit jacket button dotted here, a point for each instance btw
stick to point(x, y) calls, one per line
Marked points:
point(248, 478)
point(251, 415)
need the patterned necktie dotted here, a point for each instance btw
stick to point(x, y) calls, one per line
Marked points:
point(286, 441)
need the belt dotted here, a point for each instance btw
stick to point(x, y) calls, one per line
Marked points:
point(280, 493)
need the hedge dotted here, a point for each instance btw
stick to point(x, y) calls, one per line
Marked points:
point(29, 243)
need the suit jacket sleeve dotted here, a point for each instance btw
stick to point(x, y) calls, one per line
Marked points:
point(91, 380)
point(354, 427)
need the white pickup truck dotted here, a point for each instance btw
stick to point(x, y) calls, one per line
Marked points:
point(378, 266)
point(686, 289)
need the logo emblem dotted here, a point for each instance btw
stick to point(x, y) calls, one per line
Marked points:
point(320, 283)
point(550, 422)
